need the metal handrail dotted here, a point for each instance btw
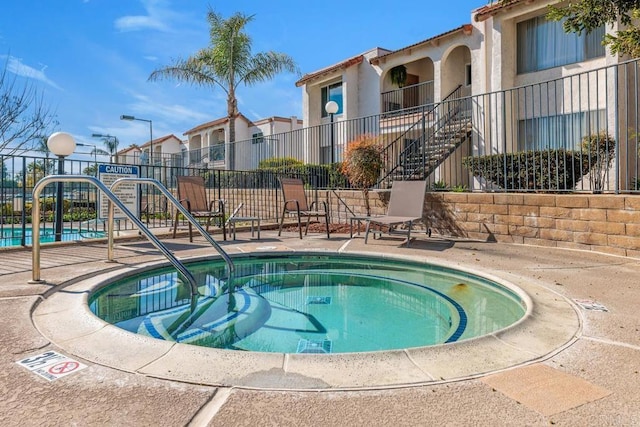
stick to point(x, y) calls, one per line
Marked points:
point(178, 206)
point(113, 200)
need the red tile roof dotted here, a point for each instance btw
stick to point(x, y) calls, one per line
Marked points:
point(466, 29)
point(330, 69)
point(492, 9)
point(148, 143)
point(216, 122)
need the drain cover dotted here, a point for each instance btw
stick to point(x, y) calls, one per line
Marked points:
point(318, 300)
point(314, 346)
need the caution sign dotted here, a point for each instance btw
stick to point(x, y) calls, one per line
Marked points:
point(51, 365)
point(127, 192)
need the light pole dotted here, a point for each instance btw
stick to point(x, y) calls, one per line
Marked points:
point(61, 144)
point(125, 117)
point(94, 152)
point(332, 108)
point(115, 144)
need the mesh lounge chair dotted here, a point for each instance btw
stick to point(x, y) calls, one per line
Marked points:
point(406, 206)
point(193, 196)
point(295, 201)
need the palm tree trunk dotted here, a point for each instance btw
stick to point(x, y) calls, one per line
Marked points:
point(232, 112)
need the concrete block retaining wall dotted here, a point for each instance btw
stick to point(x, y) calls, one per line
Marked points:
point(602, 222)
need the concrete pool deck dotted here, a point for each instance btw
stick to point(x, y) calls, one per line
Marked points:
point(564, 365)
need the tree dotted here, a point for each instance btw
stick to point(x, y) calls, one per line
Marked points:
point(599, 149)
point(227, 62)
point(41, 145)
point(23, 116)
point(362, 165)
point(111, 144)
point(91, 170)
point(587, 15)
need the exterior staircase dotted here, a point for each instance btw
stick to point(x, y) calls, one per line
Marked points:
point(421, 158)
point(417, 158)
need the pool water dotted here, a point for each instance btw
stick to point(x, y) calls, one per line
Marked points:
point(313, 303)
point(13, 236)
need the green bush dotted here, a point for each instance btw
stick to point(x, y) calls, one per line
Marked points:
point(327, 176)
point(276, 162)
point(439, 186)
point(601, 149)
point(553, 170)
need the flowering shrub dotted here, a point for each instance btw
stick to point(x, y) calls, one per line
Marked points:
point(362, 164)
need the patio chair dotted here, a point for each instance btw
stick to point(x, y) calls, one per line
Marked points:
point(295, 202)
point(193, 196)
point(406, 206)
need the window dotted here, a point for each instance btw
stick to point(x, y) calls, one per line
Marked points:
point(561, 131)
point(544, 44)
point(332, 92)
point(467, 75)
point(257, 138)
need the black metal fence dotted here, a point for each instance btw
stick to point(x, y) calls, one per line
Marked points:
point(258, 191)
point(575, 134)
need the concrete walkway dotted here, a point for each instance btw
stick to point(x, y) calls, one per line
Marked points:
point(591, 379)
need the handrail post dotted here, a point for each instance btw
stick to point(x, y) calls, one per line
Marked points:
point(114, 201)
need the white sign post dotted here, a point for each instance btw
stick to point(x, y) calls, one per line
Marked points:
point(126, 192)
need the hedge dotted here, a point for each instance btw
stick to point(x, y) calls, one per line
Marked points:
point(554, 170)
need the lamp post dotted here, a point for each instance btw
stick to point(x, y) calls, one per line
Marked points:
point(125, 117)
point(61, 144)
point(332, 108)
point(94, 152)
point(115, 143)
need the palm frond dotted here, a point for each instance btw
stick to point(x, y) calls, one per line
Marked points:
point(265, 66)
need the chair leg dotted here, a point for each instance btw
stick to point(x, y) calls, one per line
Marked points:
point(224, 228)
point(190, 232)
point(223, 220)
point(366, 232)
point(300, 225)
point(306, 228)
point(409, 233)
point(282, 221)
point(175, 225)
point(326, 220)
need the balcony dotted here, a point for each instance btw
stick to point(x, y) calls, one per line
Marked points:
point(408, 97)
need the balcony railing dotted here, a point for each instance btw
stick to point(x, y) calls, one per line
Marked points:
point(547, 119)
point(417, 95)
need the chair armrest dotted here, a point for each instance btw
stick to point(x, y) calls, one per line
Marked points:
point(186, 203)
point(220, 208)
point(324, 205)
point(286, 203)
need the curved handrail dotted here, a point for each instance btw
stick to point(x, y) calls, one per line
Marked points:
point(178, 206)
point(35, 253)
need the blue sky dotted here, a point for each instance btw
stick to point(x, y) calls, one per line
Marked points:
point(91, 58)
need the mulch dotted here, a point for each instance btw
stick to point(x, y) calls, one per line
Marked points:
point(319, 227)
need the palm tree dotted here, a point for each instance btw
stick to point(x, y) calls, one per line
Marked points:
point(111, 145)
point(227, 62)
point(41, 145)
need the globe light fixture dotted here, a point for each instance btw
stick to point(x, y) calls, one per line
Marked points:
point(62, 145)
point(331, 107)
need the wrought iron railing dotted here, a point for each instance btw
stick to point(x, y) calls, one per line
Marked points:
point(417, 95)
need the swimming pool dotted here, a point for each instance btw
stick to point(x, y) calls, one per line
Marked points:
point(12, 236)
point(312, 303)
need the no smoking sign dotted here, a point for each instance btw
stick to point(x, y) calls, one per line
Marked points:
point(51, 365)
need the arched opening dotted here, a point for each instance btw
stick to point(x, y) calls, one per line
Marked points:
point(415, 91)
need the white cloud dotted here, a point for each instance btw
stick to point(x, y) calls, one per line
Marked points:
point(137, 23)
point(15, 66)
point(157, 18)
point(144, 105)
